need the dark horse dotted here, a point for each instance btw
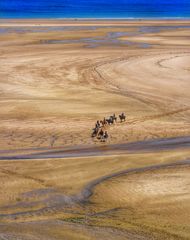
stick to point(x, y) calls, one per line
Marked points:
point(114, 117)
point(122, 117)
point(110, 120)
point(95, 132)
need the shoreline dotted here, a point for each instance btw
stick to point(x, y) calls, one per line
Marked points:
point(97, 22)
point(98, 18)
point(29, 22)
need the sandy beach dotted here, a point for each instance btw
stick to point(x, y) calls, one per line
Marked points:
point(57, 78)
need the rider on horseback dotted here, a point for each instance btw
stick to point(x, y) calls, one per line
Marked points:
point(105, 135)
point(122, 117)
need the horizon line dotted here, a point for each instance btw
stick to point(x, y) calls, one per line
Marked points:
point(97, 18)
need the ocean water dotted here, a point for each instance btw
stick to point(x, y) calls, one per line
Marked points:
point(94, 8)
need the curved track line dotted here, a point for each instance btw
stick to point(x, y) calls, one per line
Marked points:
point(87, 191)
point(166, 114)
point(131, 94)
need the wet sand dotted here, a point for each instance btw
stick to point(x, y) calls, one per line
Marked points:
point(157, 145)
point(54, 190)
point(57, 78)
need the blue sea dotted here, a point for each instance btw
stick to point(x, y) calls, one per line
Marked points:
point(94, 8)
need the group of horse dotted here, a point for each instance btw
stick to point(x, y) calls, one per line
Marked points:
point(99, 131)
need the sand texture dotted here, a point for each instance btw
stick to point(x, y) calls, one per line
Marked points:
point(57, 78)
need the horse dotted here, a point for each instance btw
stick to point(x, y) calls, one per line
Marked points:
point(105, 136)
point(110, 120)
point(114, 117)
point(95, 132)
point(97, 124)
point(104, 122)
point(122, 117)
point(101, 133)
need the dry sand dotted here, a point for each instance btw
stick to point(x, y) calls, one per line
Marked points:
point(59, 90)
point(56, 79)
